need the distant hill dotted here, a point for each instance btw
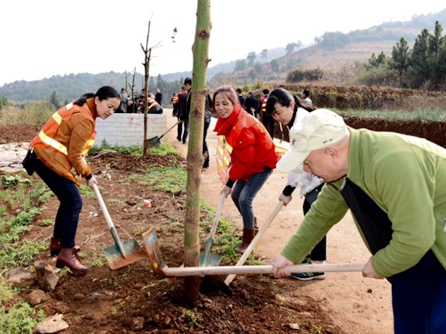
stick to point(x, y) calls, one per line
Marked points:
point(337, 52)
point(333, 53)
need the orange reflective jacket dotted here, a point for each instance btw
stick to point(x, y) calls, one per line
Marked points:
point(54, 144)
point(263, 100)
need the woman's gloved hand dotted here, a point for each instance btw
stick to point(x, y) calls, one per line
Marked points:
point(92, 180)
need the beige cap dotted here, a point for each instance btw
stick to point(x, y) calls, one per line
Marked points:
point(317, 130)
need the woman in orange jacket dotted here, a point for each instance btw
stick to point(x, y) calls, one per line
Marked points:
point(61, 146)
point(253, 156)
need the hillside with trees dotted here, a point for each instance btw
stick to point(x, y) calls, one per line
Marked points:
point(345, 59)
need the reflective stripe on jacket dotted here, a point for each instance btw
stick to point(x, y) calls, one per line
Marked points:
point(263, 100)
point(53, 145)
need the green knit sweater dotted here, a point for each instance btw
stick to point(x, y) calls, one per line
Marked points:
point(406, 177)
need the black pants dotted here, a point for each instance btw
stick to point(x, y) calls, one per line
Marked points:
point(319, 252)
point(179, 130)
point(205, 145)
point(419, 297)
point(67, 192)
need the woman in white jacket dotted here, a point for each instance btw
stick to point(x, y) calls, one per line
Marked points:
point(287, 109)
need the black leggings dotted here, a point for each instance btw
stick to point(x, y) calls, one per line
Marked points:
point(319, 252)
point(67, 192)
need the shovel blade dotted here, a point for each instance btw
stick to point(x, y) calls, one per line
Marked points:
point(152, 142)
point(209, 260)
point(154, 252)
point(116, 260)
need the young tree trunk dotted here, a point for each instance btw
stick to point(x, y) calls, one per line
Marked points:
point(195, 149)
point(147, 56)
point(146, 101)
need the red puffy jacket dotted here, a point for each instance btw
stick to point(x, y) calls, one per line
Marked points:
point(252, 146)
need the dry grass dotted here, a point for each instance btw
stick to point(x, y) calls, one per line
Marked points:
point(30, 113)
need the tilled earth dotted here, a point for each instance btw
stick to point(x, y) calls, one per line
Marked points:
point(132, 299)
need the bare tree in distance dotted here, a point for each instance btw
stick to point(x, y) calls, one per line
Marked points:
point(132, 89)
point(126, 74)
point(147, 56)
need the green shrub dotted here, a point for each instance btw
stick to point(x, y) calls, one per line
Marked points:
point(20, 319)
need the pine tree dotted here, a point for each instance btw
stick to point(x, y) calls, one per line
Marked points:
point(400, 59)
point(436, 45)
point(54, 100)
point(419, 61)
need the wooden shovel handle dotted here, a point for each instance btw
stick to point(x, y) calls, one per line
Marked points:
point(267, 269)
point(207, 249)
point(103, 206)
point(169, 129)
point(254, 242)
point(217, 215)
point(109, 221)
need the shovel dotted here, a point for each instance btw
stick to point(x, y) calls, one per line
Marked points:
point(206, 259)
point(155, 141)
point(122, 253)
point(162, 270)
point(254, 242)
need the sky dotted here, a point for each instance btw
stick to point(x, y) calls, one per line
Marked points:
point(42, 38)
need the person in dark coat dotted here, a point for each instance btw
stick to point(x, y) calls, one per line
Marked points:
point(252, 105)
point(158, 96)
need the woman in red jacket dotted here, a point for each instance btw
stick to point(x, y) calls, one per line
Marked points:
point(253, 156)
point(59, 148)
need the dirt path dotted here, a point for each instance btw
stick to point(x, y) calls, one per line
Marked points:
point(356, 304)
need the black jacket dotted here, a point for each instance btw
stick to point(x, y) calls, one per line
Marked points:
point(207, 108)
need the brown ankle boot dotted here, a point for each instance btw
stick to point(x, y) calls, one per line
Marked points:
point(55, 246)
point(248, 235)
point(256, 229)
point(68, 257)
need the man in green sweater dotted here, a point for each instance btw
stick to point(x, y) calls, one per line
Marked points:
point(395, 187)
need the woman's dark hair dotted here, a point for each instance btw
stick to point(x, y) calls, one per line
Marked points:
point(103, 93)
point(284, 97)
point(229, 92)
point(188, 81)
point(278, 95)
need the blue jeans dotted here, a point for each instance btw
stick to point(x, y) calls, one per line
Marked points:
point(67, 216)
point(419, 298)
point(244, 192)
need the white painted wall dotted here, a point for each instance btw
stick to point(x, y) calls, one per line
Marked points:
point(128, 129)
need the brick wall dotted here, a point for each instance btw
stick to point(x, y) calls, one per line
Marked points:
point(128, 129)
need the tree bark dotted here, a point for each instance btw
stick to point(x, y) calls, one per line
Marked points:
point(200, 51)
